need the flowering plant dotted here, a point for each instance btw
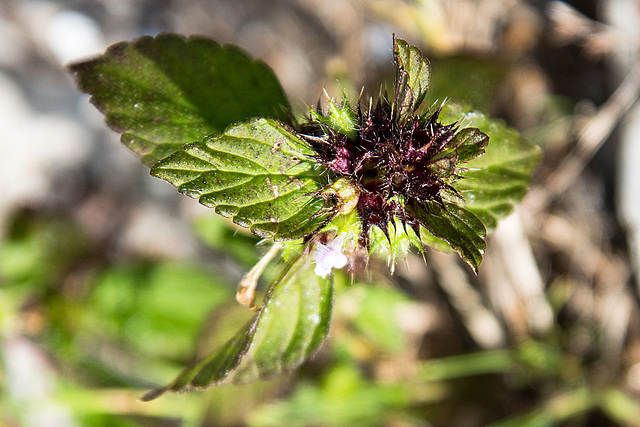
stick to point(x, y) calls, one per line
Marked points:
point(325, 190)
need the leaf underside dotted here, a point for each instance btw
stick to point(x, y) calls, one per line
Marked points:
point(289, 328)
point(259, 173)
point(460, 228)
point(164, 92)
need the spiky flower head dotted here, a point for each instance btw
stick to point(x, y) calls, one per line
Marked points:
point(398, 161)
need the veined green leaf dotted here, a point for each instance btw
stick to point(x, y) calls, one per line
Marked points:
point(412, 78)
point(500, 178)
point(257, 172)
point(164, 92)
point(290, 326)
point(461, 229)
point(470, 143)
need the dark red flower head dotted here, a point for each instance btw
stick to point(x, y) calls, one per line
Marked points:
point(389, 162)
point(392, 165)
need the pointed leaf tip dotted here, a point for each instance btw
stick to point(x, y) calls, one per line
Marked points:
point(289, 328)
point(413, 73)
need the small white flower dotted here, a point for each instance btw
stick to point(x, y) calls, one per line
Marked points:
point(329, 256)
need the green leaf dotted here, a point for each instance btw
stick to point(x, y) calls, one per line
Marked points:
point(467, 365)
point(620, 407)
point(341, 119)
point(467, 144)
point(412, 78)
point(290, 326)
point(258, 172)
point(164, 92)
point(470, 144)
point(500, 178)
point(461, 229)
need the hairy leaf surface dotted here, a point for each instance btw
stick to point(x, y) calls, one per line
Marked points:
point(164, 92)
point(258, 172)
point(470, 144)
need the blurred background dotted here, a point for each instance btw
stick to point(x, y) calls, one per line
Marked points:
point(110, 281)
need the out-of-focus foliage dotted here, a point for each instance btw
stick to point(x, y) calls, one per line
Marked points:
point(129, 325)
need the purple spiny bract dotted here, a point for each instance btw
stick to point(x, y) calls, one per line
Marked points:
point(392, 165)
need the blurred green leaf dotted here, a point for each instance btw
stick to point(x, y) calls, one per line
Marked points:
point(167, 91)
point(108, 420)
point(119, 407)
point(258, 172)
point(345, 399)
point(473, 80)
point(556, 410)
point(500, 178)
point(290, 326)
point(223, 236)
point(620, 407)
point(39, 249)
point(466, 365)
point(541, 358)
point(377, 315)
point(156, 308)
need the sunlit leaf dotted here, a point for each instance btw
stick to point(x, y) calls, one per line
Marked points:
point(339, 118)
point(470, 143)
point(258, 172)
point(412, 78)
point(164, 92)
